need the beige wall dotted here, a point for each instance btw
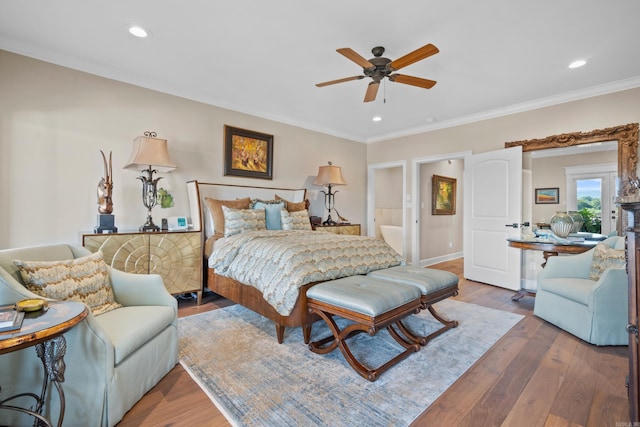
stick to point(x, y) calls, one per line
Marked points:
point(53, 121)
point(487, 135)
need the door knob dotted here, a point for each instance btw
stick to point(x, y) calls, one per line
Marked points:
point(514, 225)
point(632, 329)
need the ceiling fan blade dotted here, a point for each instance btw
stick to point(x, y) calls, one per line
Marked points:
point(413, 81)
point(355, 57)
point(372, 91)
point(346, 79)
point(415, 56)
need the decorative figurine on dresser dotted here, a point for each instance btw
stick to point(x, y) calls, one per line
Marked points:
point(106, 220)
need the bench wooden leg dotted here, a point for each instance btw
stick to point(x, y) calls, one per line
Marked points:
point(339, 338)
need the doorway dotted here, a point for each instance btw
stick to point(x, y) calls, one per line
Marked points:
point(434, 228)
point(386, 203)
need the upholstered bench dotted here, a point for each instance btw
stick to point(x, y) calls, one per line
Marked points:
point(372, 305)
point(434, 284)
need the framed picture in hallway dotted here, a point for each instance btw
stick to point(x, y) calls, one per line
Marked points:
point(547, 196)
point(443, 195)
point(248, 153)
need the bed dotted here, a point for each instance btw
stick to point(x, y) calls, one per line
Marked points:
point(232, 263)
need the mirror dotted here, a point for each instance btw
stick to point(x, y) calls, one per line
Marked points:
point(627, 137)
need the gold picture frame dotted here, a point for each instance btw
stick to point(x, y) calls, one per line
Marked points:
point(443, 195)
point(248, 153)
point(547, 196)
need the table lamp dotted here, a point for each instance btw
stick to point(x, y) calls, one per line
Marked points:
point(150, 154)
point(329, 176)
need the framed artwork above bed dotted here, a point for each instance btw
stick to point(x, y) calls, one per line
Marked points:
point(248, 153)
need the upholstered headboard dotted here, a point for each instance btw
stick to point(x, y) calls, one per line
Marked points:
point(198, 191)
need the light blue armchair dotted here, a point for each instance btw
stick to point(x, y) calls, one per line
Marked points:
point(595, 311)
point(112, 359)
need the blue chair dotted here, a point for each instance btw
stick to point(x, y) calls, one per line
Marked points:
point(594, 311)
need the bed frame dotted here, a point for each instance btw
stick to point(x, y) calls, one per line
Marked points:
point(233, 290)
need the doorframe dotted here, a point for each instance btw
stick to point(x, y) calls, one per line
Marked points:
point(371, 187)
point(416, 186)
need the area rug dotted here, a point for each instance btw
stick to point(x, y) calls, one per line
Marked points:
point(233, 355)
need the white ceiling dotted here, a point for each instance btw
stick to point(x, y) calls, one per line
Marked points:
point(264, 57)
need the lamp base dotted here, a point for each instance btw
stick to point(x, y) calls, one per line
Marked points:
point(149, 225)
point(329, 221)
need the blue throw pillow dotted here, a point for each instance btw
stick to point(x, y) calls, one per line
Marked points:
point(272, 212)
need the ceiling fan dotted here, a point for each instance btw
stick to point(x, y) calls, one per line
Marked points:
point(380, 67)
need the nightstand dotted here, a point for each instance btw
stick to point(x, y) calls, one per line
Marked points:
point(174, 255)
point(349, 229)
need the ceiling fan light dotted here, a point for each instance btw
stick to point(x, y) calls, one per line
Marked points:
point(578, 63)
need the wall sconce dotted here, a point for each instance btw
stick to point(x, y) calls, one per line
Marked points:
point(330, 175)
point(151, 153)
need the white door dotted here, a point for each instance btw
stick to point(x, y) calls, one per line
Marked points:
point(492, 213)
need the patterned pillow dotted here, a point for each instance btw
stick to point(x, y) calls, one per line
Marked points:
point(294, 206)
point(239, 220)
point(605, 257)
point(84, 280)
point(297, 220)
point(272, 212)
point(215, 208)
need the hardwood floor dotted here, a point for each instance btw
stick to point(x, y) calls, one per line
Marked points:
point(536, 375)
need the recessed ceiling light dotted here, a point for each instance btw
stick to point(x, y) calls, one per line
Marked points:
point(577, 64)
point(138, 31)
point(377, 119)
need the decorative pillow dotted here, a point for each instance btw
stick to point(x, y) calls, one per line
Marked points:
point(84, 280)
point(297, 220)
point(215, 207)
point(272, 210)
point(294, 206)
point(605, 257)
point(239, 220)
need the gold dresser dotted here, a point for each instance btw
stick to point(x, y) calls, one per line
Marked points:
point(174, 255)
point(350, 229)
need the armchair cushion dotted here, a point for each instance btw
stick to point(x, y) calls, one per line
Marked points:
point(84, 279)
point(130, 327)
point(605, 257)
point(571, 288)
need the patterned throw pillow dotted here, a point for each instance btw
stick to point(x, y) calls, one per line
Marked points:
point(294, 206)
point(298, 220)
point(215, 208)
point(272, 210)
point(239, 220)
point(84, 280)
point(605, 257)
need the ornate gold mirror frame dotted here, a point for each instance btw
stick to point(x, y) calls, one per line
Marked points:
point(627, 137)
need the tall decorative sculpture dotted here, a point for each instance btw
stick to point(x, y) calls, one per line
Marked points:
point(106, 220)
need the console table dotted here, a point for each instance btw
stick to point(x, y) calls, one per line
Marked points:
point(349, 229)
point(174, 255)
point(43, 329)
point(552, 247)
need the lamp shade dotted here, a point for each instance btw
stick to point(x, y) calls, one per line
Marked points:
point(150, 151)
point(329, 175)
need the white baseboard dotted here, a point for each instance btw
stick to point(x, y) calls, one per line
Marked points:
point(439, 259)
